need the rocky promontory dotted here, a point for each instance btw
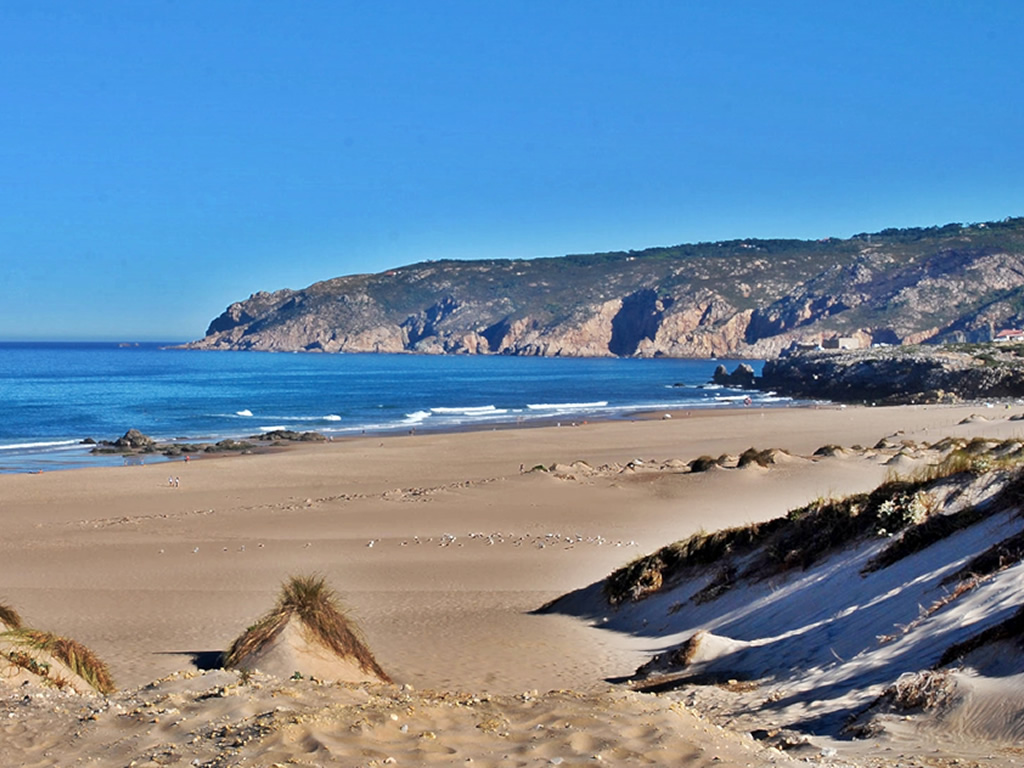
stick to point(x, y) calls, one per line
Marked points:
point(898, 375)
point(741, 298)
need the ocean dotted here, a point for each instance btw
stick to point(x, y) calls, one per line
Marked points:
point(54, 395)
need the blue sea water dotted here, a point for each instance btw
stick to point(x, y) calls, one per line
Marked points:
point(53, 395)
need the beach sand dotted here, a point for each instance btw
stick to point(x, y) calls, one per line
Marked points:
point(441, 547)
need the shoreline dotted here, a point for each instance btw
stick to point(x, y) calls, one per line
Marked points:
point(89, 460)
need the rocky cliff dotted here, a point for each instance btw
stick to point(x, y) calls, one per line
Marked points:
point(738, 298)
point(894, 375)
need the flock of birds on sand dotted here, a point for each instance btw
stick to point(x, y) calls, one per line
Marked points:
point(537, 541)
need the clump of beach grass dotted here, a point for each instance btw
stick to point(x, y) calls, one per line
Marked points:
point(318, 608)
point(647, 574)
point(914, 692)
point(9, 617)
point(762, 458)
point(900, 508)
point(703, 463)
point(974, 457)
point(830, 450)
point(827, 524)
point(75, 656)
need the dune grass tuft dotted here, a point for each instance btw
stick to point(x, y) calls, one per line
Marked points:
point(647, 574)
point(763, 458)
point(9, 617)
point(79, 659)
point(703, 463)
point(309, 599)
point(825, 525)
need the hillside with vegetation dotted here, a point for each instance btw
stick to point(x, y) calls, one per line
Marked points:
point(735, 298)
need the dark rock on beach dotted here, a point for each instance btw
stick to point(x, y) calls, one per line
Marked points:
point(291, 435)
point(742, 376)
point(134, 442)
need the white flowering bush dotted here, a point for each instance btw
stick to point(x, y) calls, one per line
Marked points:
point(903, 509)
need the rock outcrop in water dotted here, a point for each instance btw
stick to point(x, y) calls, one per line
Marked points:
point(748, 298)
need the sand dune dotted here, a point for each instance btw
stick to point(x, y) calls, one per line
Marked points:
point(441, 548)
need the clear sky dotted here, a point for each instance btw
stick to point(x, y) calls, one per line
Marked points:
point(160, 160)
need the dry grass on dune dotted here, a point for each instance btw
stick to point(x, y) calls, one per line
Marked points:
point(317, 606)
point(75, 656)
point(647, 574)
point(9, 617)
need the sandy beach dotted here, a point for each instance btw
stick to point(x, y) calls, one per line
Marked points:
point(441, 545)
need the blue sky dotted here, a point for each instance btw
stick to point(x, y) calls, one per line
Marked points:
point(160, 160)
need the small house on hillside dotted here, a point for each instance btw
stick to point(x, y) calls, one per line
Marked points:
point(1010, 335)
point(841, 342)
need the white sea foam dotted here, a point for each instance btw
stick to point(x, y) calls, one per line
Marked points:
point(417, 417)
point(273, 428)
point(51, 444)
point(475, 410)
point(243, 412)
point(332, 417)
point(566, 406)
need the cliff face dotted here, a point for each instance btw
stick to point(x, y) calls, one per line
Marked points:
point(739, 298)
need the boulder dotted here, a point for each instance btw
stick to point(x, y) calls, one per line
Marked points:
point(742, 377)
point(134, 440)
